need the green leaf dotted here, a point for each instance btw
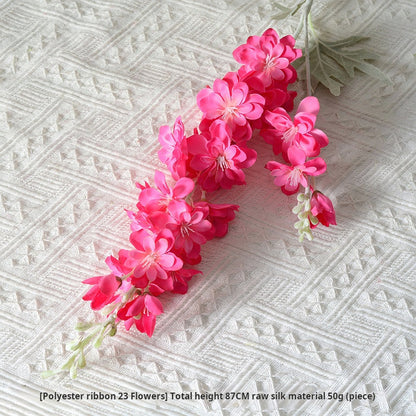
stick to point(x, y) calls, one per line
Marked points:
point(334, 63)
point(350, 41)
point(83, 326)
point(49, 373)
point(99, 339)
point(314, 220)
point(73, 371)
point(81, 360)
point(287, 11)
point(69, 363)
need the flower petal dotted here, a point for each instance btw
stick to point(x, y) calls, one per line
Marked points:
point(183, 188)
point(153, 305)
point(167, 260)
point(309, 105)
point(108, 285)
point(296, 156)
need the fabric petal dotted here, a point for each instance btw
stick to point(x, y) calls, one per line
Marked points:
point(183, 188)
point(153, 304)
point(318, 166)
point(167, 260)
point(309, 105)
point(109, 284)
point(296, 156)
point(136, 307)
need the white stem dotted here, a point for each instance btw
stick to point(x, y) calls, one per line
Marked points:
point(307, 63)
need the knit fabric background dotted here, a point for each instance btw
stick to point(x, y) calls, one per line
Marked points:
point(85, 86)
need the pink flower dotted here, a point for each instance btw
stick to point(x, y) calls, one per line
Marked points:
point(299, 133)
point(181, 278)
point(177, 282)
point(190, 229)
point(153, 221)
point(322, 208)
point(275, 95)
point(153, 257)
point(103, 291)
point(218, 162)
point(219, 216)
point(229, 100)
point(269, 57)
point(118, 266)
point(142, 312)
point(290, 177)
point(160, 198)
point(174, 150)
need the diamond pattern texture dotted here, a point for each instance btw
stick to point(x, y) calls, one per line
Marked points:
point(85, 86)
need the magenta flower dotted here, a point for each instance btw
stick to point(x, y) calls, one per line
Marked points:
point(218, 162)
point(153, 257)
point(173, 219)
point(269, 57)
point(181, 278)
point(229, 100)
point(174, 150)
point(219, 216)
point(190, 229)
point(322, 208)
point(159, 199)
point(117, 266)
point(290, 177)
point(298, 133)
point(103, 290)
point(142, 220)
point(142, 312)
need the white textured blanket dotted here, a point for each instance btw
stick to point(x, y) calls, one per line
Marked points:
point(85, 86)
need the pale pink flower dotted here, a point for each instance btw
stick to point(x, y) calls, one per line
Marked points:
point(322, 208)
point(218, 162)
point(174, 150)
point(153, 257)
point(290, 177)
point(298, 133)
point(269, 57)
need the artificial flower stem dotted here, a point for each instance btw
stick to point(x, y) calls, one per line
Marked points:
point(307, 63)
point(308, 23)
point(126, 275)
point(97, 333)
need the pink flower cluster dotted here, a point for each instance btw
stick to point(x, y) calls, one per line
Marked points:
point(299, 142)
point(168, 230)
point(296, 140)
point(173, 221)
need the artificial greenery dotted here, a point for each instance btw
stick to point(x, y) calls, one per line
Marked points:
point(330, 63)
point(333, 64)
